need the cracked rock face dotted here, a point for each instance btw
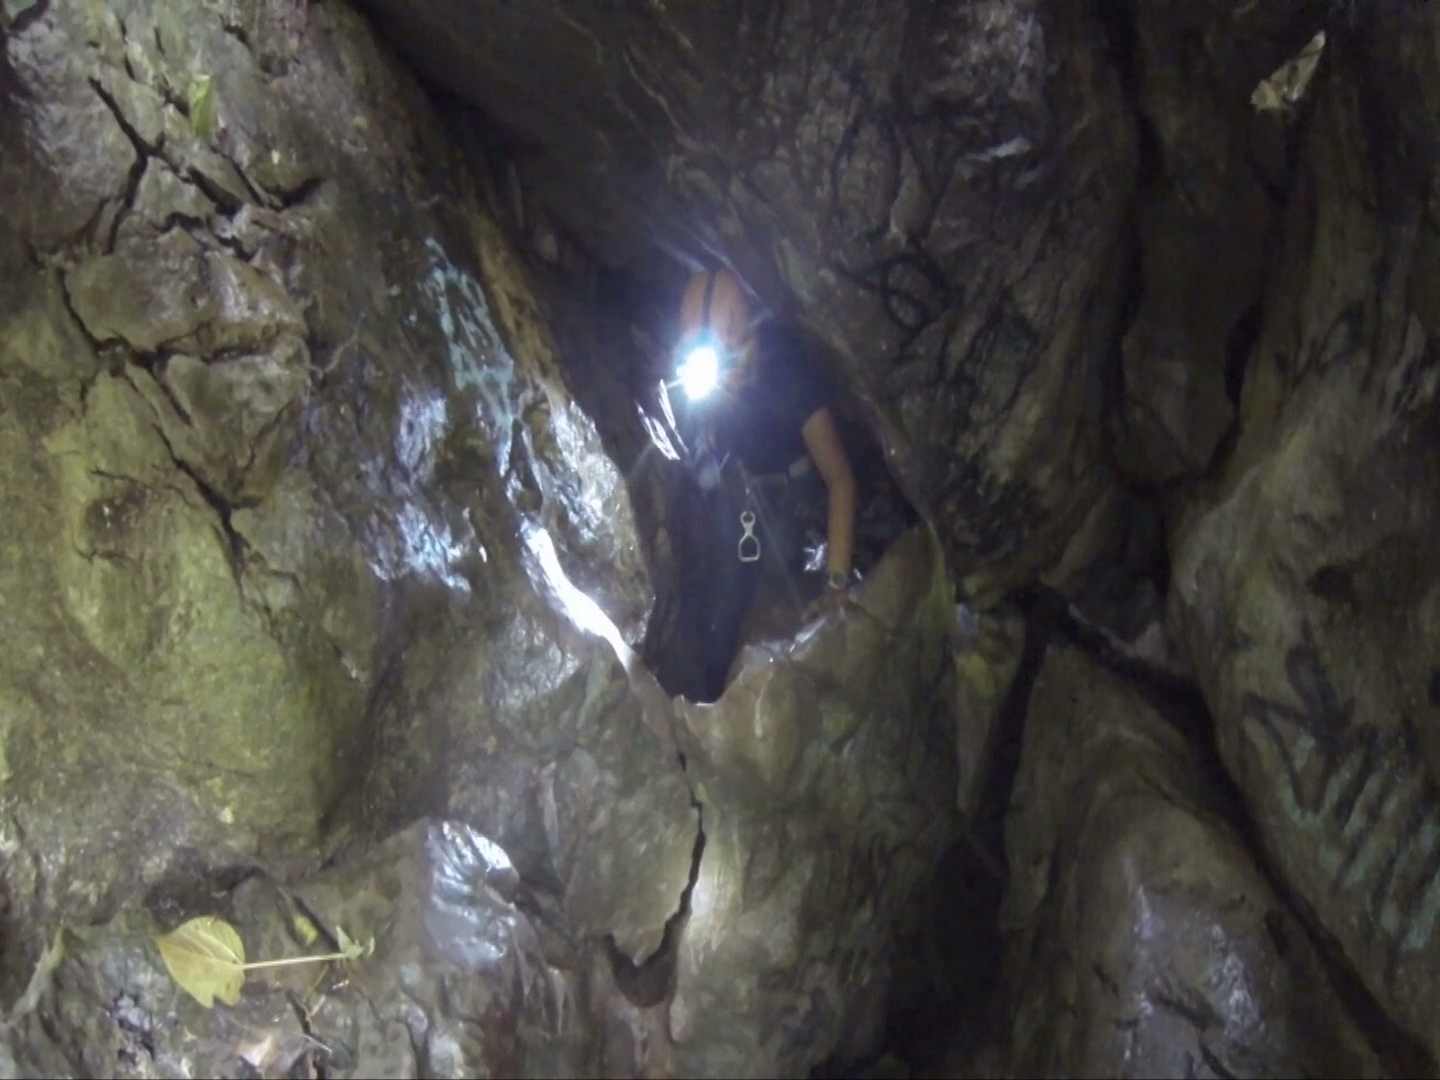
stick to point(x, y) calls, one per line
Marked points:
point(938, 193)
point(1216, 173)
point(1142, 938)
point(277, 411)
point(319, 589)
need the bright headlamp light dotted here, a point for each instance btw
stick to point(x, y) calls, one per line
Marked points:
point(699, 369)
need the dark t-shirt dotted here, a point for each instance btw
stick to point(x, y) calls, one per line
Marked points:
point(760, 424)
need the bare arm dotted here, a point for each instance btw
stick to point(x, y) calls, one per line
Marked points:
point(822, 439)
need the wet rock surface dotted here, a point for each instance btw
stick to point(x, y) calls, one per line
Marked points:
point(303, 514)
point(334, 529)
point(1215, 173)
point(279, 421)
point(827, 779)
point(1142, 939)
point(1306, 587)
point(459, 984)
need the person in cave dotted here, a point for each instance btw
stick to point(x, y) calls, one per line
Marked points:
point(764, 445)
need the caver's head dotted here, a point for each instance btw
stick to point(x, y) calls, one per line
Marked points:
point(715, 332)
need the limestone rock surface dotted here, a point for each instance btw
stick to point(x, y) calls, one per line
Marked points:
point(458, 983)
point(1216, 172)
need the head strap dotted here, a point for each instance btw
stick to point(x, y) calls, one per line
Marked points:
point(710, 276)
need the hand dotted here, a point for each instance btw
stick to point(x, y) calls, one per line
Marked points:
point(828, 602)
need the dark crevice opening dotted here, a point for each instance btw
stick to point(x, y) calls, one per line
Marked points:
point(1239, 344)
point(929, 1031)
point(1118, 23)
point(234, 543)
point(928, 1027)
point(648, 984)
point(137, 170)
point(289, 198)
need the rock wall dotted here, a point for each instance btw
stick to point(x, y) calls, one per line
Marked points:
point(1305, 579)
point(282, 430)
point(320, 589)
point(260, 414)
point(827, 778)
point(939, 194)
point(314, 560)
point(1214, 173)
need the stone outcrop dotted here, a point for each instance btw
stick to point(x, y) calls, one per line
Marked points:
point(331, 538)
point(1142, 939)
point(459, 983)
point(1214, 172)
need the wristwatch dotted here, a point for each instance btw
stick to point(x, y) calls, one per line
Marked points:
point(837, 580)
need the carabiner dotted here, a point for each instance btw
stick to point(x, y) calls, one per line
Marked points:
point(752, 553)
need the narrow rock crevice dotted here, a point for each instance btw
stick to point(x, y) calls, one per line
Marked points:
point(1066, 190)
point(190, 225)
point(282, 199)
point(648, 984)
point(101, 346)
point(234, 543)
point(143, 152)
point(256, 192)
point(1118, 22)
point(1009, 737)
point(969, 1008)
point(224, 201)
point(1238, 346)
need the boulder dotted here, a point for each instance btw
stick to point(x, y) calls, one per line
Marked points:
point(1142, 939)
point(826, 778)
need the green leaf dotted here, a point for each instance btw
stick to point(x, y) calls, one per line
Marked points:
point(206, 957)
point(201, 99)
point(353, 950)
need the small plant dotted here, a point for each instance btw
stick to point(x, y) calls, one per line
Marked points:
point(201, 100)
point(206, 958)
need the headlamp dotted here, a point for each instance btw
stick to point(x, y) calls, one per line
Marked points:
point(699, 370)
